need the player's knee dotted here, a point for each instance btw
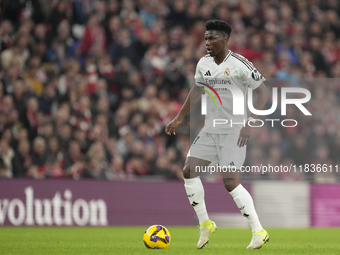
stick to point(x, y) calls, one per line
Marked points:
point(186, 171)
point(230, 183)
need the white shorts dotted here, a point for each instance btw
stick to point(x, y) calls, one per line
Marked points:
point(218, 149)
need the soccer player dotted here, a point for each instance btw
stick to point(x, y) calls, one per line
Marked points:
point(225, 143)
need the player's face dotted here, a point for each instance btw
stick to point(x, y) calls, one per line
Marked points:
point(214, 42)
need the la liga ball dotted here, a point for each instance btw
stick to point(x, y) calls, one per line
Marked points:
point(157, 237)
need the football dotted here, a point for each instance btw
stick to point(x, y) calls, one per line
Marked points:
point(157, 237)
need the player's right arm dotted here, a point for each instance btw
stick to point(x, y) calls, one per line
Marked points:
point(192, 99)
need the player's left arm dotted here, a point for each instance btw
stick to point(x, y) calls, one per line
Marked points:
point(262, 97)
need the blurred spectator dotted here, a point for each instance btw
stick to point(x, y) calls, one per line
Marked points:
point(94, 40)
point(22, 160)
point(98, 167)
point(6, 155)
point(19, 98)
point(6, 36)
point(36, 75)
point(74, 161)
point(52, 169)
point(118, 170)
point(31, 119)
point(15, 55)
point(55, 153)
point(39, 152)
point(64, 135)
point(61, 12)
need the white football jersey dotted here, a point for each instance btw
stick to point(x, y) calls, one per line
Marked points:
point(230, 80)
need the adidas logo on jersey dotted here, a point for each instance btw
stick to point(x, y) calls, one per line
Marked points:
point(207, 73)
point(232, 164)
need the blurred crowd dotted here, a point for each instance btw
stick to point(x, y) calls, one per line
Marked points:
point(87, 86)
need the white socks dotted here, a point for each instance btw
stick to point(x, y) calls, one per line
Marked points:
point(195, 192)
point(245, 203)
point(242, 198)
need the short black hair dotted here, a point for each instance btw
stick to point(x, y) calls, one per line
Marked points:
point(220, 26)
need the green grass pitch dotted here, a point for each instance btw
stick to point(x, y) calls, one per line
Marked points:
point(128, 240)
